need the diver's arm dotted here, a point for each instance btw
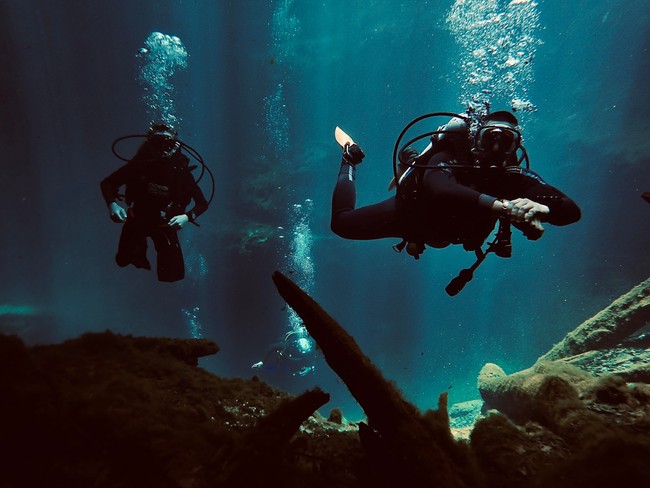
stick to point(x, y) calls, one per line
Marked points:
point(200, 203)
point(110, 185)
point(561, 209)
point(110, 192)
point(520, 210)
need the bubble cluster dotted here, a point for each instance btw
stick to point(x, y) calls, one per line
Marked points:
point(499, 43)
point(301, 245)
point(297, 346)
point(277, 122)
point(195, 263)
point(192, 316)
point(284, 30)
point(197, 269)
point(302, 266)
point(161, 56)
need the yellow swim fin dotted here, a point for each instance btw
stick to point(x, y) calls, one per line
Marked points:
point(342, 138)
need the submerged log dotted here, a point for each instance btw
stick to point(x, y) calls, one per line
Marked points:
point(607, 328)
point(405, 447)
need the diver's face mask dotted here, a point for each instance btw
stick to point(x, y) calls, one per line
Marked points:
point(497, 142)
point(163, 143)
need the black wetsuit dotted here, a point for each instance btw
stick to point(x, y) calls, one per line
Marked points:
point(444, 206)
point(157, 189)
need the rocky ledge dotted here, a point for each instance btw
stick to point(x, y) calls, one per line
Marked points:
point(106, 410)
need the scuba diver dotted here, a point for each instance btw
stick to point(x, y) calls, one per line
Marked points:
point(159, 187)
point(466, 180)
point(293, 355)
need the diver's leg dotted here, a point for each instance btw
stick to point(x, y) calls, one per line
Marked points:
point(132, 248)
point(170, 263)
point(371, 222)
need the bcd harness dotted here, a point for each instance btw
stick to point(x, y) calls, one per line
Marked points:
point(182, 166)
point(501, 245)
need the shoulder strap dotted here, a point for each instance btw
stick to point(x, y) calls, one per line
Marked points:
point(528, 173)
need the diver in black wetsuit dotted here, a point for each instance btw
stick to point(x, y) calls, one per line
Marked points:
point(159, 187)
point(455, 191)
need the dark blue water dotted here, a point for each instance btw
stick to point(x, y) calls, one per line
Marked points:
point(264, 86)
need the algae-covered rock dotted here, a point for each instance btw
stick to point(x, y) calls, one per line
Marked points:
point(106, 410)
point(609, 327)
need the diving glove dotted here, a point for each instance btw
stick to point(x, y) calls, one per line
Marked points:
point(178, 221)
point(117, 213)
point(352, 154)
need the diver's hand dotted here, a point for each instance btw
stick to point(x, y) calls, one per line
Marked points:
point(353, 154)
point(178, 221)
point(523, 210)
point(533, 230)
point(117, 213)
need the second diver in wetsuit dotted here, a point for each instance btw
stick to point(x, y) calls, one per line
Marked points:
point(159, 188)
point(455, 192)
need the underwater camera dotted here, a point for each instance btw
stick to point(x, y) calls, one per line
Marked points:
point(501, 246)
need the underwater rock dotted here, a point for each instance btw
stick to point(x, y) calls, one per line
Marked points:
point(512, 456)
point(27, 323)
point(403, 445)
point(570, 402)
point(490, 371)
point(463, 416)
point(260, 454)
point(187, 350)
point(336, 416)
point(607, 328)
point(518, 395)
point(566, 419)
point(629, 363)
point(591, 350)
point(106, 410)
point(592, 426)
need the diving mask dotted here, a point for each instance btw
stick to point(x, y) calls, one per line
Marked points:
point(498, 139)
point(164, 143)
